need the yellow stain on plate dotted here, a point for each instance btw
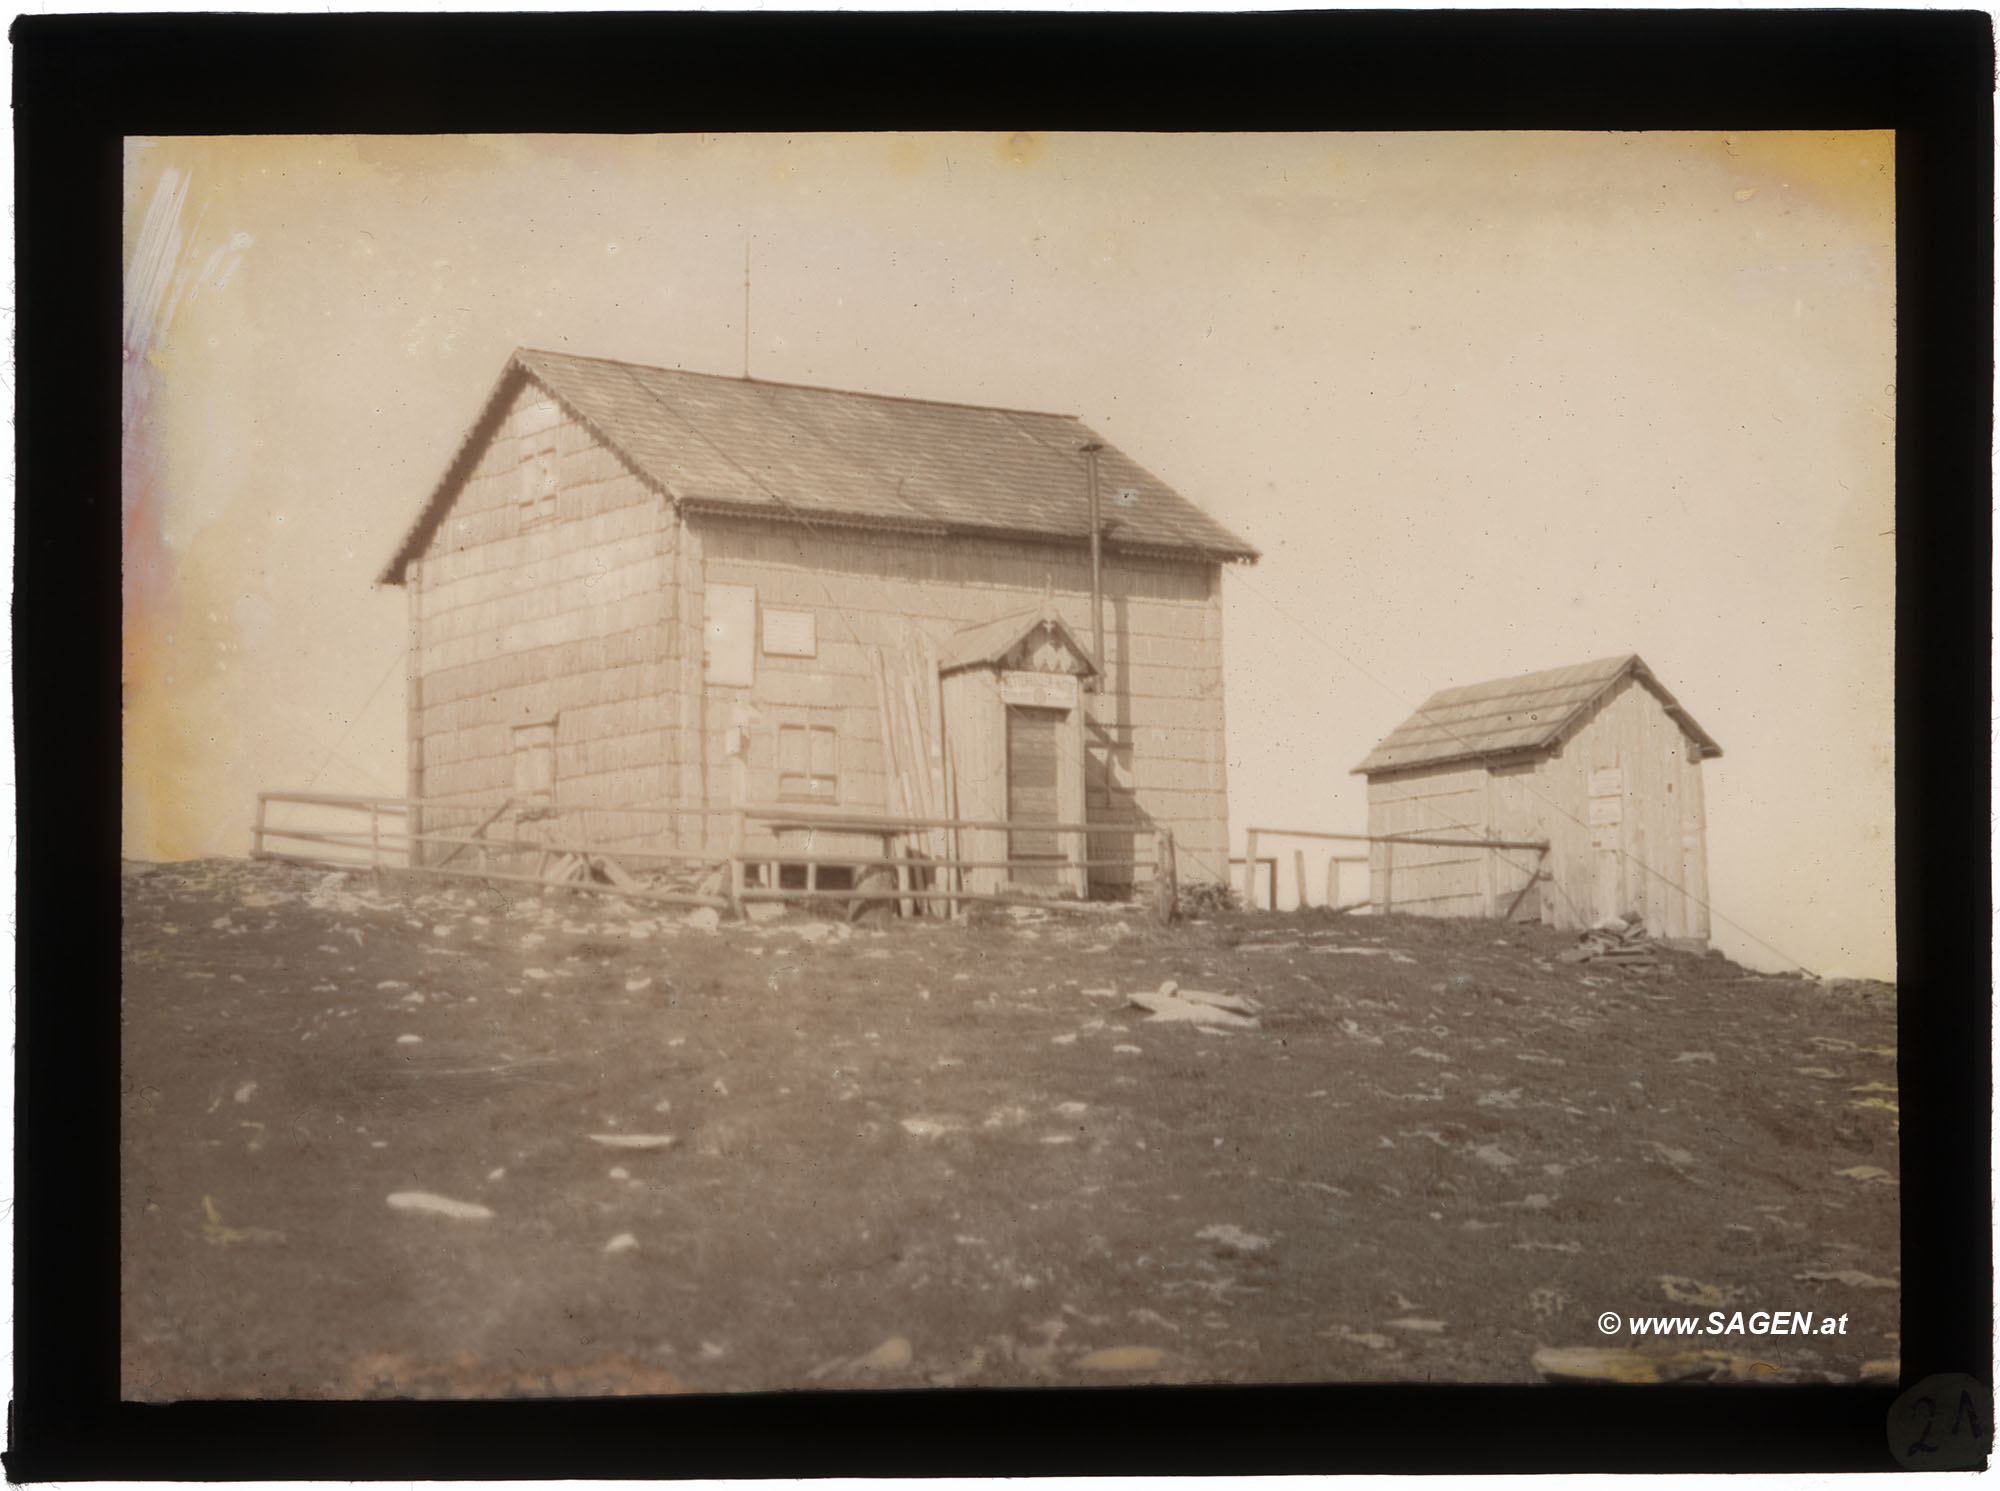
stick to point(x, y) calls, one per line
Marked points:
point(215, 1230)
point(1022, 148)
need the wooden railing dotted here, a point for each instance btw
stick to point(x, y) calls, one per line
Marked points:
point(937, 882)
point(1335, 861)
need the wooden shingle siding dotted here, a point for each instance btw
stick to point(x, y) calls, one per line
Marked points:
point(1163, 658)
point(556, 584)
point(564, 619)
point(1649, 859)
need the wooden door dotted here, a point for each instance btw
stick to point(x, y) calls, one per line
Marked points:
point(1031, 792)
point(1607, 841)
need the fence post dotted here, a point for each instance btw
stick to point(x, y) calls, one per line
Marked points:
point(1166, 877)
point(1299, 870)
point(1250, 871)
point(375, 838)
point(257, 831)
point(1333, 880)
point(739, 752)
point(1388, 875)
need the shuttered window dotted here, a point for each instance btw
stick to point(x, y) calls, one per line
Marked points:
point(808, 763)
point(535, 763)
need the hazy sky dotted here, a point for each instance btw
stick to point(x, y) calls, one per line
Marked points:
point(1488, 403)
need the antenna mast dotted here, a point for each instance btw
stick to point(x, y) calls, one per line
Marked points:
point(746, 308)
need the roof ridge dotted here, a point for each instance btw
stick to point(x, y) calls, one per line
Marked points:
point(851, 393)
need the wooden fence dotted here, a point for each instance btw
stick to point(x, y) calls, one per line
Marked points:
point(1335, 861)
point(499, 840)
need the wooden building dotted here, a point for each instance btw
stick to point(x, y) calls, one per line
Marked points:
point(1598, 760)
point(640, 587)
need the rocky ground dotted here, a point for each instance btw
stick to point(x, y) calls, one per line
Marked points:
point(423, 1140)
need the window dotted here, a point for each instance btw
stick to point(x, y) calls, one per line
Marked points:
point(730, 651)
point(536, 424)
point(535, 763)
point(808, 763)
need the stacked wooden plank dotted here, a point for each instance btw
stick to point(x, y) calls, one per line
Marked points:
point(907, 696)
point(1618, 942)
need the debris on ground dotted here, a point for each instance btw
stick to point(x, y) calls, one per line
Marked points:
point(863, 1148)
point(440, 1206)
point(1123, 1359)
point(1618, 1364)
point(1617, 941)
point(1196, 1006)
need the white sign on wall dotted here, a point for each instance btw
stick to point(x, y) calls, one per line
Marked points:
point(1605, 810)
point(1040, 690)
point(790, 634)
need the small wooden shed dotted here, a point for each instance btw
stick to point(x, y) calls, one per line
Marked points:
point(1598, 760)
point(643, 588)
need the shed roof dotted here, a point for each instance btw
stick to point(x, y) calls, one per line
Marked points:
point(991, 641)
point(1510, 718)
point(819, 455)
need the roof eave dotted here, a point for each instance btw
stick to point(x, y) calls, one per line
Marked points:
point(753, 508)
point(1513, 757)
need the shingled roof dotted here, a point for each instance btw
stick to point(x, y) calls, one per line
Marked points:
point(793, 453)
point(1510, 718)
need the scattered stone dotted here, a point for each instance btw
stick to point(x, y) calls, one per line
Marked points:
point(1494, 1155)
point(534, 973)
point(244, 1092)
point(1392, 954)
point(703, 919)
point(440, 1206)
point(892, 1355)
point(1063, 1040)
point(1684, 1291)
point(930, 1128)
point(637, 985)
point(624, 1242)
point(1852, 1277)
point(1126, 1050)
point(1072, 1109)
point(1689, 1058)
point(1232, 1236)
point(498, 1172)
point(1416, 1324)
point(633, 1141)
point(1373, 1340)
point(1615, 1364)
point(409, 1040)
point(1866, 1174)
point(619, 1172)
point(1123, 1359)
